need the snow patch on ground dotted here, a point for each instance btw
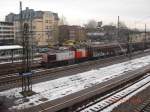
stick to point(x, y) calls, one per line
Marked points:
point(58, 88)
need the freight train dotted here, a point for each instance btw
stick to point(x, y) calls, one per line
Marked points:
point(74, 55)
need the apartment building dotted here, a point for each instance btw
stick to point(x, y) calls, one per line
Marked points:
point(73, 32)
point(6, 33)
point(43, 26)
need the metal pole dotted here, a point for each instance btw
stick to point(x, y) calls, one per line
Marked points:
point(118, 26)
point(21, 39)
point(12, 55)
point(144, 41)
point(145, 32)
point(145, 36)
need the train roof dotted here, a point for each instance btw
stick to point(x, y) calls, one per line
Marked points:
point(106, 45)
point(54, 51)
point(10, 47)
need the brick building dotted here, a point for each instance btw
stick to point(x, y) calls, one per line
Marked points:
point(74, 32)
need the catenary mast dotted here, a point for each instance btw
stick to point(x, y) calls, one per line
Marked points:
point(25, 73)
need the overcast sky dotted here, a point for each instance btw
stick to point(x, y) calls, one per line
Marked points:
point(132, 12)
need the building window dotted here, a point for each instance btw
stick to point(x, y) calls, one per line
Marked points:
point(46, 21)
point(46, 27)
point(34, 27)
point(50, 21)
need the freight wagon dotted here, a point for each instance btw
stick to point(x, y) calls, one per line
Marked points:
point(77, 55)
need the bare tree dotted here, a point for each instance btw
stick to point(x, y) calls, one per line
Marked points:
point(122, 25)
point(91, 24)
point(63, 21)
point(112, 24)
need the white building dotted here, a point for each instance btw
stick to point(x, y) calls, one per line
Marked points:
point(6, 33)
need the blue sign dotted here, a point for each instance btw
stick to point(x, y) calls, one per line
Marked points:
point(26, 74)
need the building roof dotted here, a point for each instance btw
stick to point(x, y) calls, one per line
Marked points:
point(29, 14)
point(10, 47)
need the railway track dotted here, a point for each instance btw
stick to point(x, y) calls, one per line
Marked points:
point(10, 68)
point(106, 103)
point(146, 108)
point(67, 103)
point(13, 80)
point(14, 68)
point(40, 73)
point(69, 100)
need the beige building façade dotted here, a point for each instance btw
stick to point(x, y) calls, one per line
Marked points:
point(43, 26)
